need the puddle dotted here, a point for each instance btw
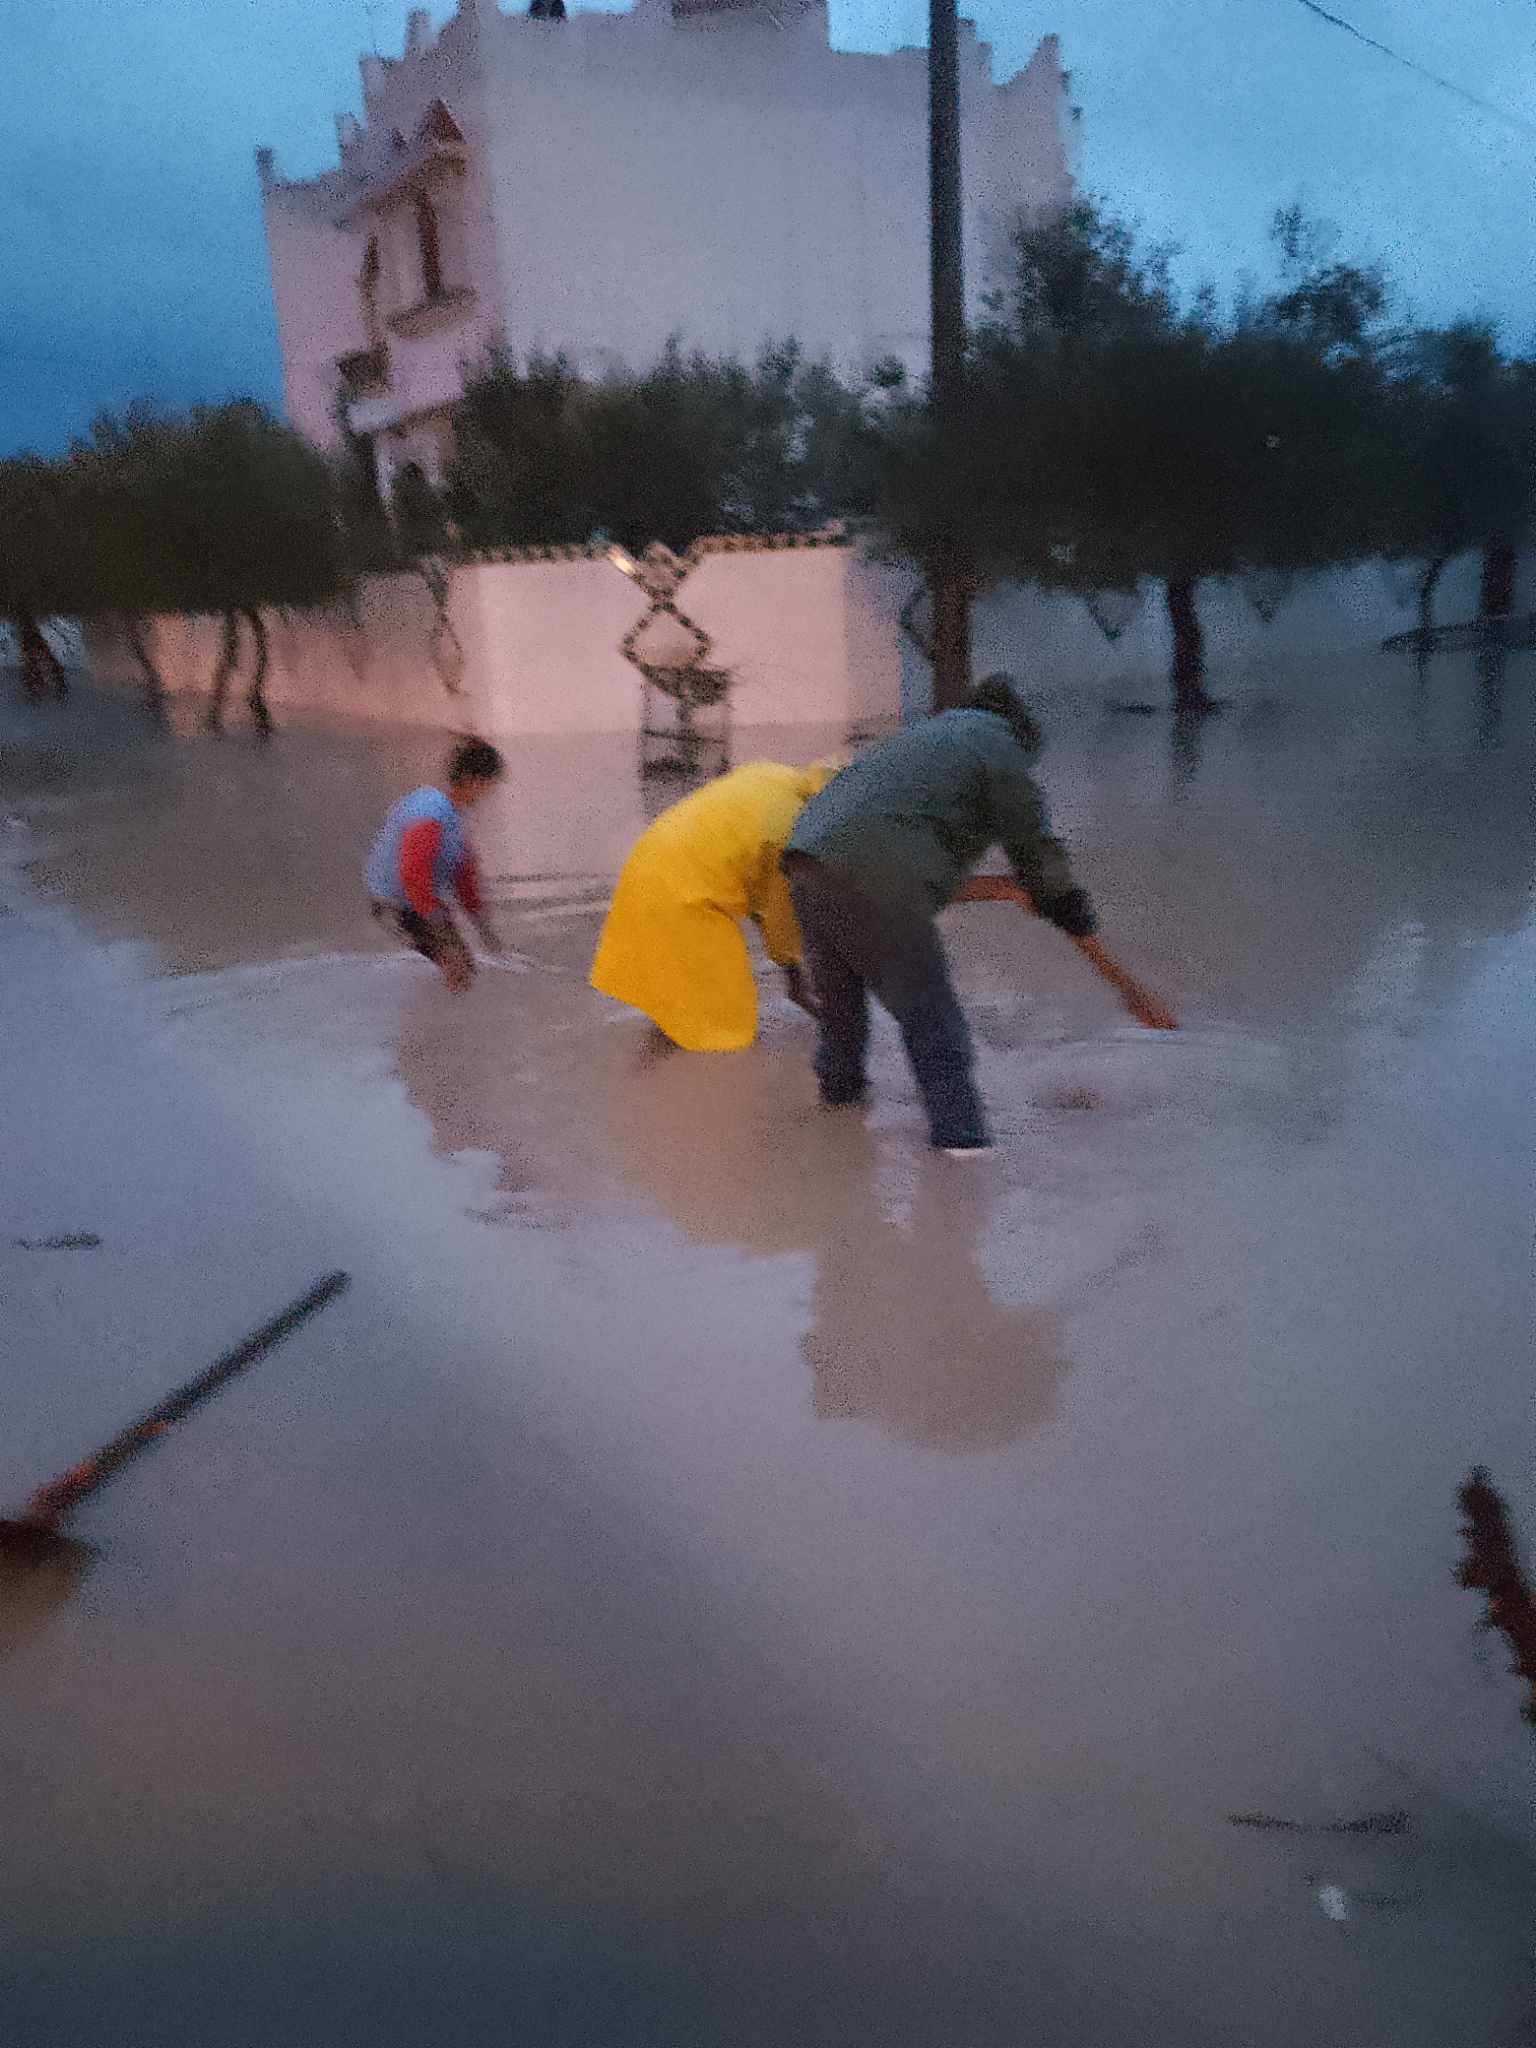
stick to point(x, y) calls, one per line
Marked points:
point(719, 1531)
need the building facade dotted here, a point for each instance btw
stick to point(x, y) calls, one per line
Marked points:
point(706, 170)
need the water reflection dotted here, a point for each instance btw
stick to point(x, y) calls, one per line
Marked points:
point(1491, 1565)
point(1265, 861)
point(903, 1330)
point(36, 1585)
point(1492, 669)
point(1186, 748)
point(239, 852)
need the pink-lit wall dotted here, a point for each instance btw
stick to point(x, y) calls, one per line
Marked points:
point(809, 633)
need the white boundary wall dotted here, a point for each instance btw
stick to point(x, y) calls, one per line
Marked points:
point(811, 634)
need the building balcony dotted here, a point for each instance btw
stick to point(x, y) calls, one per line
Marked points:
point(435, 152)
point(377, 413)
point(432, 315)
point(406, 400)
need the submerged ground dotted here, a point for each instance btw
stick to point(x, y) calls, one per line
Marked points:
point(722, 1576)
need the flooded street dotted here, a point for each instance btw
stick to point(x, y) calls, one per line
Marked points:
point(723, 1575)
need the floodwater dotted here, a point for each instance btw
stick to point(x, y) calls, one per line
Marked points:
point(723, 1576)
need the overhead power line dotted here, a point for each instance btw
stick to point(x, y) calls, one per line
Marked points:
point(1445, 84)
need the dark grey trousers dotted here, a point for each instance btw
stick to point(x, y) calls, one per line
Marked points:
point(856, 947)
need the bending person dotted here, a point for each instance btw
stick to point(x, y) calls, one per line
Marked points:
point(876, 856)
point(672, 946)
point(423, 855)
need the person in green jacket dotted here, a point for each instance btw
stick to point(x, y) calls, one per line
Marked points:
point(883, 849)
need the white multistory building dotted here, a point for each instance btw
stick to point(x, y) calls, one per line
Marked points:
point(706, 170)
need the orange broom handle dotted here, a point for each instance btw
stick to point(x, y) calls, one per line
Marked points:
point(1144, 1006)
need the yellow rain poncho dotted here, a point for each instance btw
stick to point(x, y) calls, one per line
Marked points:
point(672, 945)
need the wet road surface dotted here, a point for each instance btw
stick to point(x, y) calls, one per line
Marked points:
point(723, 1576)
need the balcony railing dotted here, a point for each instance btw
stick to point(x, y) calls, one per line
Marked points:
point(428, 316)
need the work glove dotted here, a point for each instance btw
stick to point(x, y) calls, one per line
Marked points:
point(1071, 912)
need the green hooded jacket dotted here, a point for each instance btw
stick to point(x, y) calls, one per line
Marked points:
point(909, 820)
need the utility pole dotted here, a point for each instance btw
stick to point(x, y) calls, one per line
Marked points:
point(950, 575)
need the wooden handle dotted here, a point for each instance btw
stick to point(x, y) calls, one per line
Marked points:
point(1104, 963)
point(1144, 1006)
point(993, 889)
point(70, 1488)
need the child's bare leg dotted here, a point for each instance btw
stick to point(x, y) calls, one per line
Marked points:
point(454, 960)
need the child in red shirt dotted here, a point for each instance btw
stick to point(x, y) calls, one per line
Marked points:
point(422, 856)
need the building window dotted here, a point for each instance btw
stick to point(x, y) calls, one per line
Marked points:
point(368, 285)
point(430, 246)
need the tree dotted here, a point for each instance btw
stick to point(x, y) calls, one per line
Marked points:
point(253, 522)
point(792, 437)
point(1084, 453)
point(516, 476)
point(691, 446)
point(1110, 433)
point(39, 563)
point(1470, 420)
point(655, 454)
point(221, 510)
point(1079, 276)
point(1336, 306)
point(118, 474)
point(1219, 445)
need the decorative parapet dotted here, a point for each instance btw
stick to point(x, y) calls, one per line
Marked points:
point(432, 315)
point(660, 573)
point(764, 543)
point(562, 551)
point(709, 544)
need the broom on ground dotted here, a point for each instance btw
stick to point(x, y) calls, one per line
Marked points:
point(35, 1538)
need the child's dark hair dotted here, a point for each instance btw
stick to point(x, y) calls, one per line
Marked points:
point(475, 761)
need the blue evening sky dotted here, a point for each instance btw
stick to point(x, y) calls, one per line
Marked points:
point(131, 254)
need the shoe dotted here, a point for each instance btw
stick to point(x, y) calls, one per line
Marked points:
point(980, 1151)
point(857, 1100)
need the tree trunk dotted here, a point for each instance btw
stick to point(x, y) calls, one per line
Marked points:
point(256, 697)
point(911, 626)
point(154, 682)
point(50, 668)
point(42, 671)
point(951, 627)
point(55, 666)
point(25, 627)
point(1496, 597)
point(224, 668)
point(1188, 675)
point(1433, 571)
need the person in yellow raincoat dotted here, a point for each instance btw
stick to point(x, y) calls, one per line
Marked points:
point(672, 946)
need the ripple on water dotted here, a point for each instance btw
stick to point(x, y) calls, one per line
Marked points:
point(1209, 1075)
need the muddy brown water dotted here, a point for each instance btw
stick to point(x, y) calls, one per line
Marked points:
point(724, 1577)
